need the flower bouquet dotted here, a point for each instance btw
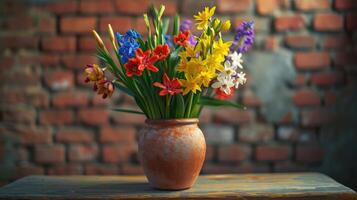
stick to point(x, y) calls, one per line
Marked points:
point(171, 75)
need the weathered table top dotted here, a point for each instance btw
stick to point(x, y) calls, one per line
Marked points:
point(247, 186)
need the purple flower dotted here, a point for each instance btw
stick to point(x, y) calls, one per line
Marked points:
point(186, 25)
point(244, 37)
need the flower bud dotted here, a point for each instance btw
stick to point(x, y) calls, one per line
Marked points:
point(105, 88)
point(216, 23)
point(93, 73)
point(111, 35)
point(99, 40)
point(226, 26)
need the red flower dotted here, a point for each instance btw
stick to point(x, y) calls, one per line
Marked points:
point(182, 38)
point(169, 87)
point(133, 67)
point(222, 95)
point(147, 61)
point(162, 51)
point(104, 87)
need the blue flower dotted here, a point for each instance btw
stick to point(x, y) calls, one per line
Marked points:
point(127, 44)
point(244, 37)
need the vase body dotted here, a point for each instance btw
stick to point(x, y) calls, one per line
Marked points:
point(172, 152)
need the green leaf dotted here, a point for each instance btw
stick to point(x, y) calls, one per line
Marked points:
point(123, 88)
point(179, 106)
point(176, 25)
point(128, 111)
point(209, 101)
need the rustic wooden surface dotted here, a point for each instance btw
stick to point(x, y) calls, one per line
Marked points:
point(247, 186)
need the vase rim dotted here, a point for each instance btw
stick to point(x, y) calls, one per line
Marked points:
point(172, 121)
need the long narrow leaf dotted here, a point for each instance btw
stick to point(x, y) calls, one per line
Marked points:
point(128, 111)
point(209, 101)
point(124, 89)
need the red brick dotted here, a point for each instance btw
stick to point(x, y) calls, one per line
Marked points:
point(300, 41)
point(233, 6)
point(336, 42)
point(130, 169)
point(132, 7)
point(48, 60)
point(56, 117)
point(18, 23)
point(49, 154)
point(93, 116)
point(328, 22)
point(34, 135)
point(265, 7)
point(330, 98)
point(308, 5)
point(119, 24)
point(309, 153)
point(345, 4)
point(293, 22)
point(306, 97)
point(312, 60)
point(233, 153)
point(78, 24)
point(250, 99)
point(87, 44)
point(244, 167)
point(315, 117)
point(127, 118)
point(255, 133)
point(62, 7)
point(288, 166)
point(78, 61)
point(69, 99)
point(47, 25)
point(272, 153)
point(59, 79)
point(80, 152)
point(74, 135)
point(100, 169)
point(345, 59)
point(271, 43)
point(95, 7)
point(227, 115)
point(28, 169)
point(326, 78)
point(18, 42)
point(18, 115)
point(21, 154)
point(59, 44)
point(98, 100)
point(210, 153)
point(118, 134)
point(351, 21)
point(65, 169)
point(300, 80)
point(117, 153)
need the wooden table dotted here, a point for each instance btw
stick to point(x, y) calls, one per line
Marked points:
point(247, 186)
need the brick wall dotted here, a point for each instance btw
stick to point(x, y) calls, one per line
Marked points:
point(301, 69)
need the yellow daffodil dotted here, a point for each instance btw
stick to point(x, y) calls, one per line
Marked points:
point(214, 62)
point(221, 48)
point(204, 17)
point(190, 84)
point(195, 66)
point(205, 77)
point(226, 26)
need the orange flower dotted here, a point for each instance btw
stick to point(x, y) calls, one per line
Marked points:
point(162, 51)
point(93, 73)
point(182, 38)
point(132, 67)
point(169, 87)
point(105, 88)
point(147, 61)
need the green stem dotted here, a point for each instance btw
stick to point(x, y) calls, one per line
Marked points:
point(189, 106)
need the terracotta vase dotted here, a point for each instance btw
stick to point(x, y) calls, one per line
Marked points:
point(172, 152)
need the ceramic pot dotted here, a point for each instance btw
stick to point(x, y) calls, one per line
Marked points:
point(172, 152)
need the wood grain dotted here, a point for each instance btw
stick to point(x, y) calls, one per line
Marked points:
point(248, 186)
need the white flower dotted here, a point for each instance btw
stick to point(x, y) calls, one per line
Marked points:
point(236, 59)
point(224, 83)
point(229, 69)
point(240, 79)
